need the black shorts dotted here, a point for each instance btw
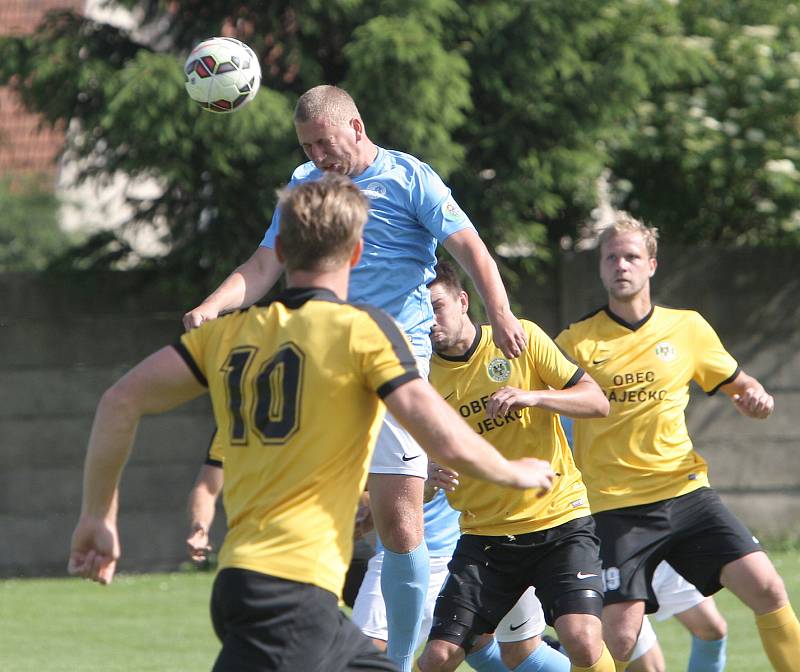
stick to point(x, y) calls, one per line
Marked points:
point(489, 574)
point(266, 623)
point(695, 533)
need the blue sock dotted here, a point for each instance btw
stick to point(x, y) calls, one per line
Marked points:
point(544, 658)
point(707, 656)
point(487, 659)
point(404, 583)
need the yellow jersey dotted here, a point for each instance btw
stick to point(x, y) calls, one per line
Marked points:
point(466, 383)
point(296, 389)
point(641, 453)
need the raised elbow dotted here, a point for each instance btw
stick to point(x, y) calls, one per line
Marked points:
point(603, 407)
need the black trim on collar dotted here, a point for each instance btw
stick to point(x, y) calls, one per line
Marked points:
point(632, 326)
point(295, 297)
point(469, 351)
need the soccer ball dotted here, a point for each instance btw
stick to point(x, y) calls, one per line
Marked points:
point(222, 74)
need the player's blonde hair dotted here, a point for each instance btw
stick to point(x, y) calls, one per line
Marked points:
point(624, 222)
point(321, 223)
point(326, 102)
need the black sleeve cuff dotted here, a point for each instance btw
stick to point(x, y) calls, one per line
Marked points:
point(390, 386)
point(186, 357)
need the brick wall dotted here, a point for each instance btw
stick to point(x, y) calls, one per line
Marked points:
point(27, 146)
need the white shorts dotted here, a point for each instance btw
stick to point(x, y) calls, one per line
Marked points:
point(525, 620)
point(674, 593)
point(646, 641)
point(369, 611)
point(396, 451)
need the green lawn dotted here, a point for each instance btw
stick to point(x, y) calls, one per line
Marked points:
point(160, 623)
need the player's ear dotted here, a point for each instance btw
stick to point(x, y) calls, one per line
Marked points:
point(653, 266)
point(463, 299)
point(357, 250)
point(279, 249)
point(358, 126)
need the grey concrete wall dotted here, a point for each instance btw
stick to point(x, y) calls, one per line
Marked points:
point(64, 339)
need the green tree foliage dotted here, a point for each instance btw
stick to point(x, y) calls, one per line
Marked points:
point(716, 159)
point(29, 232)
point(691, 106)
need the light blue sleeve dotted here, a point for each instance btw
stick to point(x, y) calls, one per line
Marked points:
point(301, 174)
point(435, 206)
point(269, 237)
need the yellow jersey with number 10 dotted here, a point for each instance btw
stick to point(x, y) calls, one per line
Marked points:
point(641, 453)
point(296, 390)
point(466, 383)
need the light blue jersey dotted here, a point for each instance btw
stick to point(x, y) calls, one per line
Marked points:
point(441, 527)
point(411, 210)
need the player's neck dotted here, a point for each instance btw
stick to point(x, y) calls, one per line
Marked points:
point(367, 155)
point(633, 309)
point(337, 281)
point(464, 342)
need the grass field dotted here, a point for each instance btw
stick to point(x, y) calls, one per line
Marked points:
point(159, 623)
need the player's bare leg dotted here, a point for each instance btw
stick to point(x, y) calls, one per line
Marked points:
point(651, 661)
point(396, 502)
point(581, 635)
point(704, 621)
point(440, 656)
point(754, 580)
point(621, 624)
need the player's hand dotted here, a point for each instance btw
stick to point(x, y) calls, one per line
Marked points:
point(508, 334)
point(756, 402)
point(441, 478)
point(508, 399)
point(195, 317)
point(364, 522)
point(198, 544)
point(534, 474)
point(95, 550)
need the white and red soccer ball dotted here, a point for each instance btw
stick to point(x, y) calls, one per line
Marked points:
point(222, 74)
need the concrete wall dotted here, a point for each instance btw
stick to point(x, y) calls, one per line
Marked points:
point(64, 339)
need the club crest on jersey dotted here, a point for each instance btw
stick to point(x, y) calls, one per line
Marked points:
point(451, 210)
point(499, 370)
point(374, 190)
point(665, 351)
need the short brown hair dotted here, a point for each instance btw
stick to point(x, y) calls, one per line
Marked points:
point(321, 222)
point(624, 222)
point(447, 275)
point(326, 102)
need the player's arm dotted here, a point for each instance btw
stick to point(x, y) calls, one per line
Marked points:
point(449, 440)
point(749, 396)
point(584, 399)
point(159, 383)
point(201, 508)
point(242, 288)
point(470, 252)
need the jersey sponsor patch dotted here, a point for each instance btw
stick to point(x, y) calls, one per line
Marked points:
point(666, 352)
point(374, 190)
point(499, 369)
point(452, 211)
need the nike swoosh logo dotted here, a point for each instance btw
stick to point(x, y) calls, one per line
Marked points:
point(581, 575)
point(600, 361)
point(408, 458)
point(517, 627)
